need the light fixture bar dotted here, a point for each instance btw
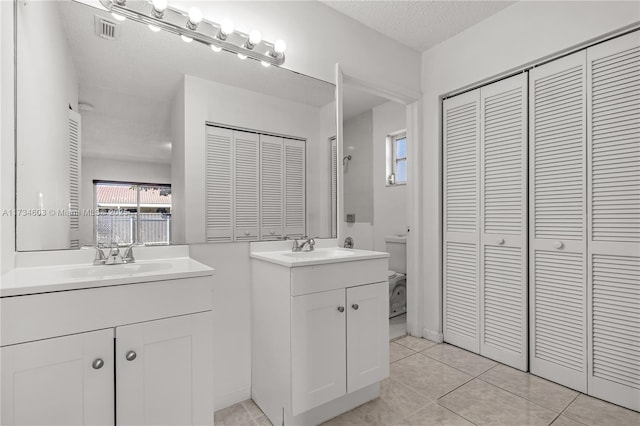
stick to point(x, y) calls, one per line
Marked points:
point(176, 21)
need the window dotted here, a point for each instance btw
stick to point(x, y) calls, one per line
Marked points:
point(129, 212)
point(397, 159)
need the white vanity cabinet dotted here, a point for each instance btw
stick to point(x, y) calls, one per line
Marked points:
point(320, 338)
point(135, 354)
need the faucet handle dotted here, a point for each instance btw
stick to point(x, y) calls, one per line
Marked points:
point(128, 254)
point(100, 258)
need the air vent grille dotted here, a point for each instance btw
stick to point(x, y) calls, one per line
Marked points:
point(106, 29)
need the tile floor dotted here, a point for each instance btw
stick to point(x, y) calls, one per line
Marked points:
point(397, 326)
point(439, 384)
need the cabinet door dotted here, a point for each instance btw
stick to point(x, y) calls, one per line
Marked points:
point(246, 186)
point(367, 335)
point(557, 243)
point(271, 188)
point(56, 382)
point(461, 140)
point(503, 222)
point(318, 348)
point(164, 371)
point(219, 185)
point(294, 188)
point(613, 105)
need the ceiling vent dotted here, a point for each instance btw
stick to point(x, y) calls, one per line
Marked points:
point(106, 29)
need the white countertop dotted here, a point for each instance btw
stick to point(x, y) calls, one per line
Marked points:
point(43, 279)
point(320, 256)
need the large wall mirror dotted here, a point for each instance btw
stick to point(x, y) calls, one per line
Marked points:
point(96, 116)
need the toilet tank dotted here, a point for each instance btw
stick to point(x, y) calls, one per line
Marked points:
point(397, 248)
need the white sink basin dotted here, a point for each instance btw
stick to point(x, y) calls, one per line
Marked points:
point(317, 257)
point(329, 253)
point(112, 270)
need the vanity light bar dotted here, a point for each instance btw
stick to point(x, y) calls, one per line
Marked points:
point(177, 22)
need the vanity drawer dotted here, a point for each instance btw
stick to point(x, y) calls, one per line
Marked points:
point(46, 315)
point(316, 278)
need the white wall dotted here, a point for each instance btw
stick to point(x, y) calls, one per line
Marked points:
point(390, 208)
point(47, 86)
point(114, 170)
point(518, 35)
point(7, 223)
point(358, 172)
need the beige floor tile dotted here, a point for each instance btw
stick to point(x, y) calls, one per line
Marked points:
point(350, 418)
point(396, 401)
point(593, 411)
point(565, 421)
point(435, 414)
point(485, 404)
point(458, 358)
point(415, 343)
point(543, 392)
point(427, 376)
point(262, 421)
point(252, 408)
point(233, 416)
point(397, 352)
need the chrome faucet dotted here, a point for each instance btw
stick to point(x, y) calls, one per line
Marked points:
point(116, 258)
point(100, 258)
point(308, 241)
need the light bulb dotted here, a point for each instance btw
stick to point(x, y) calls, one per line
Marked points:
point(265, 64)
point(195, 15)
point(280, 46)
point(255, 37)
point(154, 28)
point(226, 27)
point(216, 48)
point(241, 56)
point(159, 5)
point(186, 39)
point(118, 17)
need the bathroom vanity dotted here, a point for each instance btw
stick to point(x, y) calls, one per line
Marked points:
point(102, 345)
point(320, 337)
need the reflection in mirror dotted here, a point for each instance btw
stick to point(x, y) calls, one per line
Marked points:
point(112, 129)
point(375, 174)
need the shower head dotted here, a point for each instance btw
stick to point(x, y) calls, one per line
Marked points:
point(346, 159)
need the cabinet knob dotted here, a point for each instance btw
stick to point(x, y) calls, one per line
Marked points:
point(340, 308)
point(558, 244)
point(130, 356)
point(355, 306)
point(247, 233)
point(500, 240)
point(272, 232)
point(97, 363)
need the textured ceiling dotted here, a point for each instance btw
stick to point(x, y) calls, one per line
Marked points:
point(418, 24)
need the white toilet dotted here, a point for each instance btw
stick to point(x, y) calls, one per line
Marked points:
point(397, 248)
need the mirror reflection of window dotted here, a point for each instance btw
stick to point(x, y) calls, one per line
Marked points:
point(132, 213)
point(397, 159)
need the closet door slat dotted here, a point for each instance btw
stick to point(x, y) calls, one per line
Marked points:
point(613, 138)
point(557, 229)
point(246, 183)
point(219, 185)
point(271, 188)
point(503, 221)
point(294, 188)
point(461, 192)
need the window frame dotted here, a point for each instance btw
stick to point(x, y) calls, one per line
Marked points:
point(392, 160)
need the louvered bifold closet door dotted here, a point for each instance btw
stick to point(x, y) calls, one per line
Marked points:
point(557, 200)
point(613, 99)
point(294, 188)
point(271, 188)
point(461, 144)
point(246, 186)
point(74, 178)
point(219, 185)
point(503, 221)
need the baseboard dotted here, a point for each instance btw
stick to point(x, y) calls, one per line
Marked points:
point(227, 400)
point(434, 336)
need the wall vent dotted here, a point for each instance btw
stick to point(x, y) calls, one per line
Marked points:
point(106, 29)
